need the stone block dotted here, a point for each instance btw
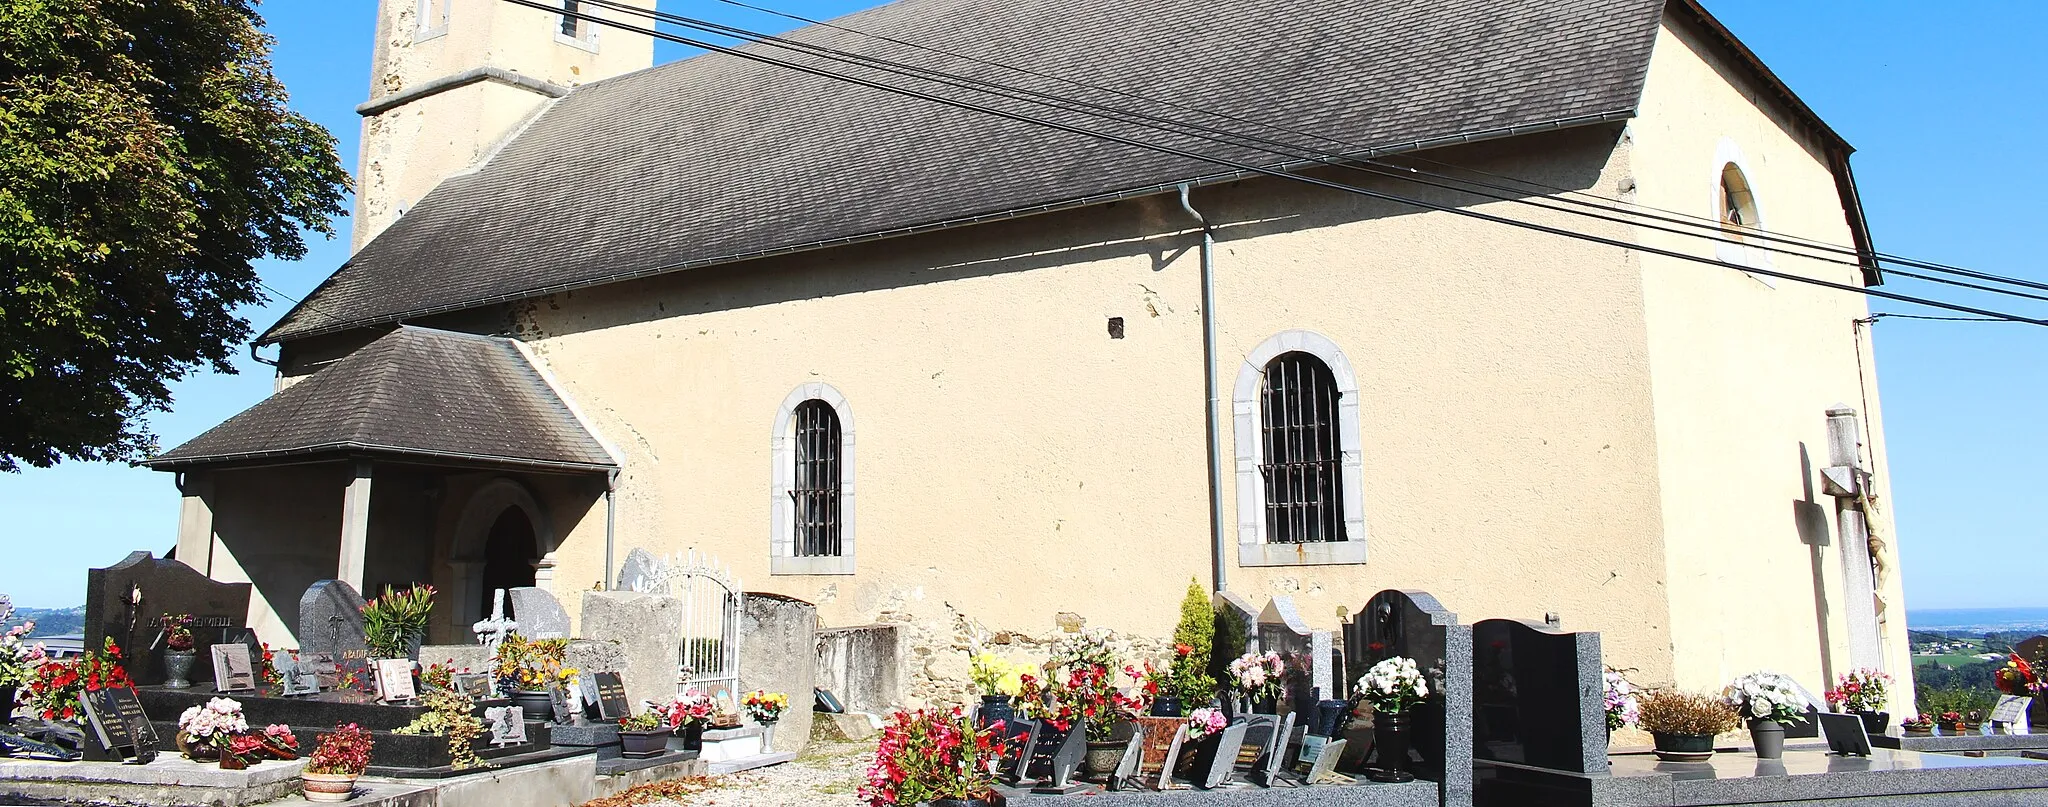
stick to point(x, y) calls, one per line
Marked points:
point(472, 657)
point(779, 637)
point(596, 657)
point(647, 628)
point(844, 727)
point(863, 666)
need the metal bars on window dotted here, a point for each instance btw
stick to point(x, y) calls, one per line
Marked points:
point(1302, 462)
point(572, 26)
point(816, 491)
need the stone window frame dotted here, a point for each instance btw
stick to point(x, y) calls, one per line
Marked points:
point(588, 38)
point(1252, 546)
point(782, 557)
point(1729, 155)
point(431, 25)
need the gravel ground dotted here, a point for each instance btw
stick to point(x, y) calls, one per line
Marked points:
point(827, 775)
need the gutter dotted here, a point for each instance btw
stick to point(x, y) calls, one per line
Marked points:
point(496, 75)
point(1214, 420)
point(276, 333)
point(173, 464)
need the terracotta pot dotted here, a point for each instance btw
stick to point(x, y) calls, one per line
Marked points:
point(178, 668)
point(1102, 758)
point(1683, 747)
point(328, 787)
point(1390, 742)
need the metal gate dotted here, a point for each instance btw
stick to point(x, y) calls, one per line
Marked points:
point(709, 656)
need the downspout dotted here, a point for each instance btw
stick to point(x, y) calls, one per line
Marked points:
point(611, 517)
point(1210, 383)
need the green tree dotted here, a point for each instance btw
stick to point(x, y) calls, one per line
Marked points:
point(146, 160)
point(1197, 632)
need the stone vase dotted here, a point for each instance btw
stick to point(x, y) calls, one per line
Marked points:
point(327, 788)
point(1391, 739)
point(1874, 722)
point(178, 668)
point(1769, 738)
point(1102, 758)
point(1683, 747)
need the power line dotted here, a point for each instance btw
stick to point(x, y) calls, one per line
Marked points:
point(1246, 167)
point(1888, 315)
point(1566, 193)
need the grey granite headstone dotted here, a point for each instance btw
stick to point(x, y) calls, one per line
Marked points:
point(540, 615)
point(1222, 759)
point(124, 601)
point(642, 573)
point(1413, 624)
point(1323, 676)
point(331, 626)
point(1126, 771)
point(1538, 696)
point(1230, 604)
point(1282, 630)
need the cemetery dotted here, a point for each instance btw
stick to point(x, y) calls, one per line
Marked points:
point(679, 672)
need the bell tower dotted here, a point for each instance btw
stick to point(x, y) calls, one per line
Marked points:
point(450, 80)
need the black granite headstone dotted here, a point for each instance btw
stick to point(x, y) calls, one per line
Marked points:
point(1022, 734)
point(1538, 696)
point(1414, 625)
point(611, 696)
point(1054, 756)
point(331, 632)
point(116, 728)
point(124, 601)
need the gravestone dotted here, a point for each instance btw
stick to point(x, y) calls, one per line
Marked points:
point(507, 724)
point(1413, 624)
point(394, 680)
point(2035, 651)
point(234, 670)
point(1324, 769)
point(1230, 605)
point(124, 601)
point(540, 615)
point(1538, 696)
point(331, 637)
point(1218, 759)
point(1323, 675)
point(1272, 751)
point(492, 632)
point(642, 573)
point(1159, 740)
point(1282, 630)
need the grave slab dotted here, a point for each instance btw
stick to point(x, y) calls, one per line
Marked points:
point(170, 781)
point(1364, 794)
point(1413, 624)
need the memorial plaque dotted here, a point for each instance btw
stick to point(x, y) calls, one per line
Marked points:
point(508, 725)
point(611, 696)
point(1273, 758)
point(123, 703)
point(586, 694)
point(1022, 734)
point(326, 674)
point(116, 729)
point(1258, 733)
point(540, 615)
point(1312, 745)
point(1172, 759)
point(1324, 770)
point(294, 680)
point(233, 669)
point(1125, 777)
point(1159, 737)
point(1845, 734)
point(394, 680)
point(563, 706)
point(1055, 756)
point(2011, 713)
point(475, 685)
point(1223, 760)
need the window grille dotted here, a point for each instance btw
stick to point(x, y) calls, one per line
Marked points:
point(572, 27)
point(1302, 463)
point(816, 491)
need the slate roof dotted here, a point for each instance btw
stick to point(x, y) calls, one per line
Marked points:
point(413, 392)
point(715, 159)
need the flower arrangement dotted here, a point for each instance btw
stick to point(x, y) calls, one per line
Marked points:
point(343, 752)
point(1953, 720)
point(643, 722)
point(392, 621)
point(1393, 686)
point(1087, 692)
point(1665, 711)
point(1623, 708)
point(1257, 676)
point(1206, 721)
point(177, 631)
point(763, 706)
point(214, 724)
point(994, 676)
point(266, 666)
point(2019, 677)
point(438, 676)
point(1922, 722)
point(691, 706)
point(1766, 695)
point(531, 665)
point(926, 756)
point(55, 688)
point(281, 739)
point(1860, 691)
point(18, 660)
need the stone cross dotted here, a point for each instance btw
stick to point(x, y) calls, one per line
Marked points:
point(1846, 481)
point(491, 632)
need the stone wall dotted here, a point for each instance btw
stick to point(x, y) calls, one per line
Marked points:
point(775, 629)
point(910, 660)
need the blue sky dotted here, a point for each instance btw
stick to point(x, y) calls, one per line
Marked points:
point(1944, 105)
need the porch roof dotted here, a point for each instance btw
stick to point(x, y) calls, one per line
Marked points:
point(413, 393)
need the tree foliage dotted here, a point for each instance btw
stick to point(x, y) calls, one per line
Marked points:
point(1197, 630)
point(146, 160)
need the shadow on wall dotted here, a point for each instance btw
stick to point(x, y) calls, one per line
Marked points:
point(279, 528)
point(1811, 519)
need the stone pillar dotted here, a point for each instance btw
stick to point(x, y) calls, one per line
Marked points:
point(355, 527)
point(1846, 480)
point(649, 628)
point(778, 653)
point(195, 523)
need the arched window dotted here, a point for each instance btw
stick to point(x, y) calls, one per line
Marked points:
point(815, 493)
point(1302, 469)
point(1736, 206)
point(1738, 203)
point(1299, 496)
point(433, 19)
point(811, 502)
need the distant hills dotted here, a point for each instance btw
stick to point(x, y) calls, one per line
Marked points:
point(49, 621)
point(1979, 620)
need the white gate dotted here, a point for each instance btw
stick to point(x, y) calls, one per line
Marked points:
point(713, 601)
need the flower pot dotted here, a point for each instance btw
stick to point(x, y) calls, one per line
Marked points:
point(230, 762)
point(1262, 706)
point(1164, 706)
point(1102, 758)
point(996, 707)
point(1874, 723)
point(6, 703)
point(1769, 738)
point(178, 668)
point(538, 704)
point(1683, 747)
point(196, 750)
point(1390, 740)
point(693, 736)
point(643, 744)
point(327, 787)
point(768, 738)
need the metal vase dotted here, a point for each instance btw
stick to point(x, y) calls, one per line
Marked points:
point(1390, 741)
point(178, 668)
point(1769, 738)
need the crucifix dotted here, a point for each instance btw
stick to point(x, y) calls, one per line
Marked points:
point(1847, 481)
point(491, 632)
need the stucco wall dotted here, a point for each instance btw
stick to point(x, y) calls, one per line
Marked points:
point(1016, 462)
point(280, 529)
point(1743, 370)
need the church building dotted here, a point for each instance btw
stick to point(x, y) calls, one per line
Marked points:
point(918, 363)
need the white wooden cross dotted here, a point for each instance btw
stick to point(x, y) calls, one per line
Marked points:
point(491, 632)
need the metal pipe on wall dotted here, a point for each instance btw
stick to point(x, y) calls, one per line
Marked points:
point(611, 517)
point(1210, 383)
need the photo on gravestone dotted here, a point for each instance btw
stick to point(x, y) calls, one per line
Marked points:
point(123, 601)
point(394, 680)
point(1538, 696)
point(1414, 625)
point(611, 696)
point(1311, 746)
point(233, 669)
